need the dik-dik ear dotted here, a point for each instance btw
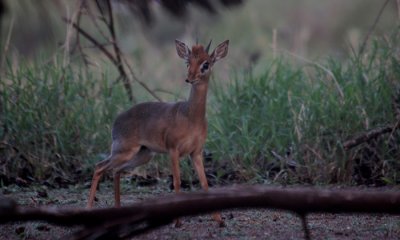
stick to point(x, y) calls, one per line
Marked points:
point(220, 51)
point(182, 50)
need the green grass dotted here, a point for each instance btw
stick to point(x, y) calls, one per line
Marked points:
point(55, 120)
point(313, 109)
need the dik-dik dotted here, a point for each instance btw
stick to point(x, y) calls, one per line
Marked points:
point(177, 129)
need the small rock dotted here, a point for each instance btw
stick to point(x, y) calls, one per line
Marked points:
point(42, 194)
point(20, 230)
point(43, 228)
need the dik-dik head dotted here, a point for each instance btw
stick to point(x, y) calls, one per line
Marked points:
point(199, 61)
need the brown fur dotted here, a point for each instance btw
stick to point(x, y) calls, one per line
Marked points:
point(178, 129)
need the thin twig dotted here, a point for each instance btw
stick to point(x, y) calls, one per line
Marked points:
point(94, 46)
point(138, 81)
point(353, 51)
point(371, 29)
point(396, 126)
point(313, 151)
point(101, 17)
point(7, 44)
point(78, 39)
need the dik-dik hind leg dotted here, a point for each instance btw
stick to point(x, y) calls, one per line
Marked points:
point(197, 159)
point(176, 175)
point(98, 172)
point(116, 159)
point(143, 156)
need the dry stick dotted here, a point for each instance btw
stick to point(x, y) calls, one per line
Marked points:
point(160, 211)
point(274, 43)
point(304, 223)
point(372, 28)
point(374, 133)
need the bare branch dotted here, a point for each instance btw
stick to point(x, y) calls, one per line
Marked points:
point(92, 40)
point(114, 60)
point(117, 50)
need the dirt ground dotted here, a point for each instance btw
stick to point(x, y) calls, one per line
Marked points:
point(240, 224)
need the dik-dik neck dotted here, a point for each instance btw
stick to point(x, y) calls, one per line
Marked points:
point(197, 103)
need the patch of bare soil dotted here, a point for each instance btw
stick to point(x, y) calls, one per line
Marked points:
point(240, 224)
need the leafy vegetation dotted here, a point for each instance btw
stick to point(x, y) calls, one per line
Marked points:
point(310, 111)
point(287, 124)
point(55, 121)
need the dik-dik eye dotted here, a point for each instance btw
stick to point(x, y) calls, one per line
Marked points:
point(204, 67)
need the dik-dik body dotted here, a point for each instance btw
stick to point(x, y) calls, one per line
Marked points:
point(177, 129)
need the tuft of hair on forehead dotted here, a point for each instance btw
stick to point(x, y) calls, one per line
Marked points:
point(198, 51)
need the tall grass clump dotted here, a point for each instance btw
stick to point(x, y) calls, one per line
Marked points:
point(290, 123)
point(54, 120)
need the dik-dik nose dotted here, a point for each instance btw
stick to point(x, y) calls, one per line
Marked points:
point(192, 81)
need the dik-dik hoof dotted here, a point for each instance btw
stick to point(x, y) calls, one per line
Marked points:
point(178, 223)
point(221, 224)
point(217, 217)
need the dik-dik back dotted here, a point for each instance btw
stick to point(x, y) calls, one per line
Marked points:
point(178, 129)
point(158, 126)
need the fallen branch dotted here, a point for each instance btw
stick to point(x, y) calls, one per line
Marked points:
point(374, 133)
point(141, 217)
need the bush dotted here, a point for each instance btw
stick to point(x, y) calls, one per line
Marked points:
point(54, 121)
point(311, 109)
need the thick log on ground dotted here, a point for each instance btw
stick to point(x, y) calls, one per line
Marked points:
point(152, 213)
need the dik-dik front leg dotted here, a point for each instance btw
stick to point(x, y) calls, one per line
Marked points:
point(197, 159)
